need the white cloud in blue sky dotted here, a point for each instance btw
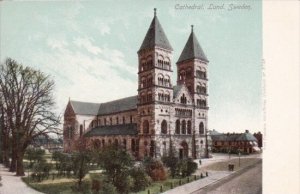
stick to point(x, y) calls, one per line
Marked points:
point(90, 50)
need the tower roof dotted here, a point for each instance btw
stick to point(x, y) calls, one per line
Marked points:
point(192, 50)
point(155, 36)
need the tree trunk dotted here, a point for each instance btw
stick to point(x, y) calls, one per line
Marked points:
point(13, 163)
point(20, 167)
point(5, 148)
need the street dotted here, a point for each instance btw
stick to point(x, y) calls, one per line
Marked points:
point(248, 181)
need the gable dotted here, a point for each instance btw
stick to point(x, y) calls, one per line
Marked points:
point(182, 91)
point(69, 110)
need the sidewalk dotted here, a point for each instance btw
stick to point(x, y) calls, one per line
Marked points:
point(213, 176)
point(12, 184)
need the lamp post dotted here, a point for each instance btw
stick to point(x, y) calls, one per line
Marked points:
point(239, 158)
point(206, 145)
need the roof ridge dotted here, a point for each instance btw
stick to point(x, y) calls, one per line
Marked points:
point(119, 99)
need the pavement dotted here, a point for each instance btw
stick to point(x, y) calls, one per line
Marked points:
point(213, 176)
point(12, 184)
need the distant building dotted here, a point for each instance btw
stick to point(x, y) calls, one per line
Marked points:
point(259, 138)
point(46, 142)
point(233, 142)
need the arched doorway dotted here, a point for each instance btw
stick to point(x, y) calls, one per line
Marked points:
point(183, 150)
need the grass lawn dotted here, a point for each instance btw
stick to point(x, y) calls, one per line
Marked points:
point(155, 186)
point(57, 187)
point(223, 165)
point(63, 185)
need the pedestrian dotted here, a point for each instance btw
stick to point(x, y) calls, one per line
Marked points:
point(200, 162)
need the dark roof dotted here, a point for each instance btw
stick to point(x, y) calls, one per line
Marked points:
point(155, 37)
point(213, 132)
point(85, 108)
point(233, 137)
point(124, 129)
point(246, 137)
point(192, 50)
point(176, 89)
point(119, 105)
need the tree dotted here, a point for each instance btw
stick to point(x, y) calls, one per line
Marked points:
point(117, 163)
point(140, 179)
point(34, 155)
point(28, 106)
point(155, 169)
point(171, 160)
point(81, 160)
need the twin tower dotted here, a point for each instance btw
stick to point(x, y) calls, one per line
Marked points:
point(165, 109)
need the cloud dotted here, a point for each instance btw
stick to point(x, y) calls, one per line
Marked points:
point(56, 44)
point(92, 76)
point(87, 44)
point(102, 26)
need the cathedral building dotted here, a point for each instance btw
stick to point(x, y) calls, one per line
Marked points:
point(162, 111)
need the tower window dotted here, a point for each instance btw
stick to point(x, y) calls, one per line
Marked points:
point(201, 128)
point(177, 130)
point(183, 127)
point(183, 99)
point(164, 127)
point(189, 127)
point(146, 127)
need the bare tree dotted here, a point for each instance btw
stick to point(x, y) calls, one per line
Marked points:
point(28, 103)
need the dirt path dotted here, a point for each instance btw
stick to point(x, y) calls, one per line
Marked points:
point(12, 184)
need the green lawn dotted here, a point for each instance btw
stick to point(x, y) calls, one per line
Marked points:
point(63, 185)
point(155, 187)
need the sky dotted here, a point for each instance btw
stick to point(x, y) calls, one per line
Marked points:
point(90, 49)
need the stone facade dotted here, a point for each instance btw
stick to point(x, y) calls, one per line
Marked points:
point(161, 112)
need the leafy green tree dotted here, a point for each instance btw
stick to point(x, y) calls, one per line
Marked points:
point(41, 170)
point(116, 164)
point(186, 167)
point(170, 160)
point(140, 179)
point(34, 155)
point(81, 161)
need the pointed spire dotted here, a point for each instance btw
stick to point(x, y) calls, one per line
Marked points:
point(155, 36)
point(192, 49)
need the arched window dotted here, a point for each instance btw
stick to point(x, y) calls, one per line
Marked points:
point(164, 127)
point(116, 142)
point(133, 148)
point(177, 129)
point(201, 128)
point(183, 99)
point(146, 127)
point(81, 130)
point(198, 89)
point(124, 143)
point(189, 127)
point(183, 127)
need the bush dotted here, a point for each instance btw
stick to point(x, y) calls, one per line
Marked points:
point(155, 169)
point(140, 179)
point(186, 167)
point(108, 188)
point(41, 170)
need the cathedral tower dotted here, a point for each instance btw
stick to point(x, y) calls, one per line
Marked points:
point(155, 90)
point(192, 67)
